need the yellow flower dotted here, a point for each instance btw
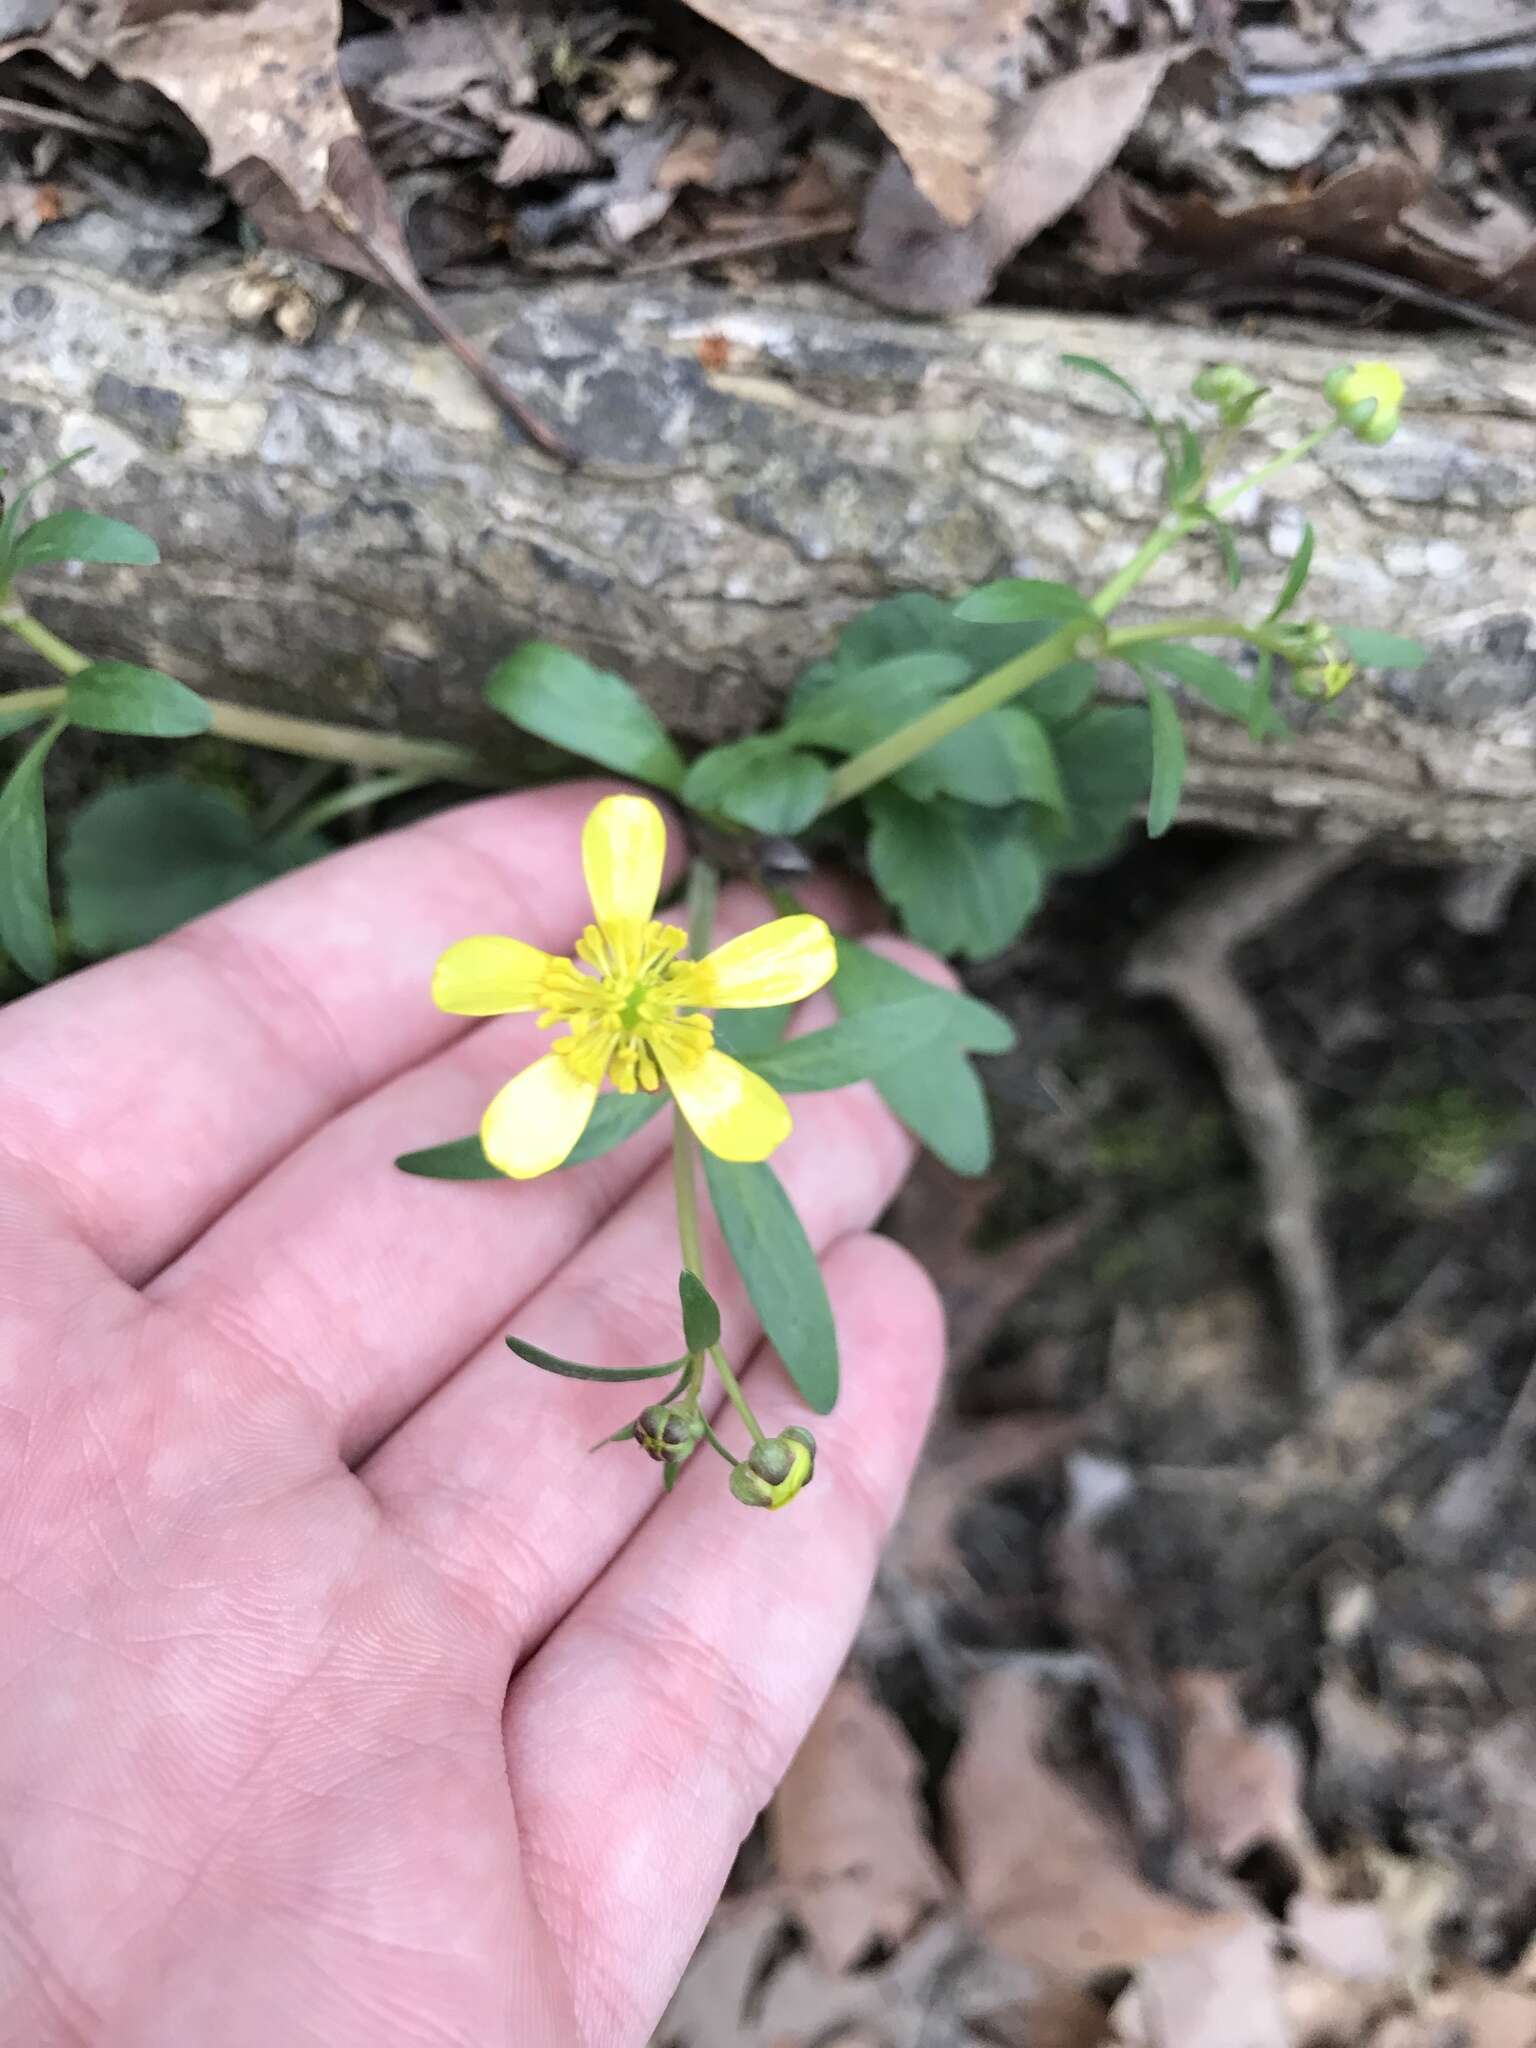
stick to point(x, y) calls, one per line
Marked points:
point(632, 1016)
point(1377, 384)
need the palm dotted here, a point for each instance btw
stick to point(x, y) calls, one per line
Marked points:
point(279, 1520)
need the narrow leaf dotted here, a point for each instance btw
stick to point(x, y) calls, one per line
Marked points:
point(551, 692)
point(11, 518)
point(859, 1047)
point(1209, 677)
point(1263, 718)
point(943, 1104)
point(1167, 758)
point(1184, 469)
point(26, 921)
point(1024, 597)
point(615, 1118)
point(1296, 575)
point(701, 1313)
point(115, 696)
point(76, 536)
point(779, 1271)
point(1095, 368)
point(1228, 546)
point(1382, 650)
point(568, 1369)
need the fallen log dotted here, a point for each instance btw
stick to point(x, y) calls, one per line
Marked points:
point(351, 531)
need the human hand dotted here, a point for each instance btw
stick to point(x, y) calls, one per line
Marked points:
point(345, 1699)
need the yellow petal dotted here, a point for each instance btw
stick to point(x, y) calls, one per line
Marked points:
point(778, 963)
point(623, 849)
point(488, 976)
point(732, 1111)
point(533, 1123)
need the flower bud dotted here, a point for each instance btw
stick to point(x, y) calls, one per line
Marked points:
point(1368, 398)
point(1325, 679)
point(1231, 390)
point(775, 1471)
point(668, 1431)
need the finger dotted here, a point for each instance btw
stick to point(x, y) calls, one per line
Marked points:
point(152, 1089)
point(491, 1477)
point(367, 1286)
point(663, 1711)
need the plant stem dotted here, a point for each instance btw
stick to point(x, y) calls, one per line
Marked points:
point(1171, 528)
point(1184, 629)
point(377, 789)
point(684, 1159)
point(1284, 460)
point(428, 759)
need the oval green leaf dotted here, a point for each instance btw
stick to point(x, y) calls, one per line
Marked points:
point(1024, 597)
point(759, 782)
point(1382, 650)
point(779, 1271)
point(701, 1313)
point(75, 536)
point(551, 692)
point(116, 696)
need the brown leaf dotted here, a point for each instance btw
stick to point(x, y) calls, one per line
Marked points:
point(1352, 209)
point(1049, 1874)
point(848, 1833)
point(1240, 1788)
point(1064, 135)
point(927, 70)
point(539, 148)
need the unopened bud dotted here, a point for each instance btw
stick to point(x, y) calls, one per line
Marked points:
point(1325, 679)
point(1231, 390)
point(668, 1431)
point(775, 1471)
point(1368, 398)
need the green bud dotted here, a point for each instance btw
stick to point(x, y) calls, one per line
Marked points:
point(1324, 679)
point(669, 1431)
point(774, 1472)
point(1368, 398)
point(1231, 390)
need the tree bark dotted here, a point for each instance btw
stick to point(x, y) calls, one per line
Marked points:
point(351, 531)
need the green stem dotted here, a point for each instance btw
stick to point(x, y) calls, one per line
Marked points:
point(1185, 629)
point(376, 789)
point(684, 1180)
point(311, 737)
point(1286, 459)
point(1171, 528)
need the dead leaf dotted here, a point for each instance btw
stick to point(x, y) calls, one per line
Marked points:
point(263, 86)
point(632, 89)
point(1419, 28)
point(539, 148)
point(928, 71)
point(910, 257)
point(1050, 1875)
point(1240, 1787)
point(848, 1833)
point(1350, 210)
point(1223, 1993)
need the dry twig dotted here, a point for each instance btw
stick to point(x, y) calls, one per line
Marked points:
point(1188, 959)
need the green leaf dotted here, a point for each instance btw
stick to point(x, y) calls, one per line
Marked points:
point(867, 980)
point(701, 1313)
point(779, 1271)
point(1105, 758)
point(759, 782)
point(1296, 575)
point(76, 536)
point(1032, 756)
point(26, 920)
point(1225, 542)
point(551, 692)
point(943, 1104)
point(859, 1047)
point(1382, 650)
point(144, 858)
point(1167, 758)
point(1184, 468)
point(458, 1159)
point(1095, 368)
point(1263, 718)
point(18, 721)
point(114, 696)
point(1024, 597)
point(613, 1119)
point(1062, 695)
point(965, 880)
point(745, 1034)
point(1003, 757)
point(568, 1369)
point(936, 1094)
point(11, 518)
point(855, 708)
point(1214, 680)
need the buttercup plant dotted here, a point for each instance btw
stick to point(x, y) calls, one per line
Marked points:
point(960, 746)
